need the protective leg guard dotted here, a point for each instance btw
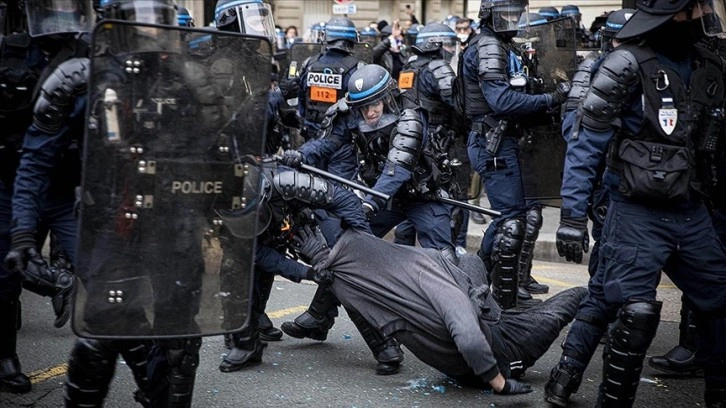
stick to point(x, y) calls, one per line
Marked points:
point(135, 354)
point(628, 339)
point(12, 378)
point(533, 223)
point(505, 260)
point(386, 351)
point(681, 360)
point(317, 320)
point(565, 379)
point(247, 352)
point(172, 369)
point(90, 370)
point(268, 332)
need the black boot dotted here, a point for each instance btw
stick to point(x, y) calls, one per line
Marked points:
point(11, 377)
point(268, 332)
point(564, 381)
point(681, 360)
point(247, 352)
point(385, 350)
point(534, 287)
point(525, 299)
point(389, 358)
point(316, 321)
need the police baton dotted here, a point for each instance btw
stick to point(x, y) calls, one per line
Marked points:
point(341, 180)
point(467, 206)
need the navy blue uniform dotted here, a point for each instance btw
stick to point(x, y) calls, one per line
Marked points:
point(643, 234)
point(343, 162)
point(500, 172)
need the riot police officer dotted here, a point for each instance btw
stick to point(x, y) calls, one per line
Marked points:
point(323, 80)
point(426, 84)
point(653, 222)
point(550, 13)
point(29, 55)
point(493, 105)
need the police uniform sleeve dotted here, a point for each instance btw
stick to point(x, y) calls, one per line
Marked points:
point(60, 109)
point(406, 145)
point(492, 70)
point(316, 192)
point(335, 133)
point(438, 79)
point(595, 123)
point(271, 261)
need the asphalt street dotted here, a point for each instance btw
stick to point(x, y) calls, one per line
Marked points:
point(340, 371)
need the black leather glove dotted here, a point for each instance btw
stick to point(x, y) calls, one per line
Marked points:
point(513, 387)
point(290, 87)
point(572, 238)
point(322, 277)
point(559, 96)
point(369, 211)
point(292, 158)
point(311, 244)
point(23, 249)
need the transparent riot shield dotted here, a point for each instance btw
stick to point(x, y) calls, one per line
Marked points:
point(548, 53)
point(170, 183)
point(299, 53)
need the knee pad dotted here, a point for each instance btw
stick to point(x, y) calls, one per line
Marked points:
point(90, 370)
point(628, 340)
point(533, 223)
point(505, 262)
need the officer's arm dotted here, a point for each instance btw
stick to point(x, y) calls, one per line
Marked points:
point(58, 105)
point(271, 261)
point(454, 308)
point(438, 81)
point(315, 192)
point(317, 152)
point(206, 95)
point(407, 143)
point(494, 82)
point(596, 121)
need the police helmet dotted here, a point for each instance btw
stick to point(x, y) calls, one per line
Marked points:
point(433, 37)
point(616, 20)
point(651, 14)
point(369, 35)
point(252, 17)
point(550, 13)
point(317, 32)
point(157, 12)
point(503, 15)
point(50, 17)
point(409, 38)
point(369, 86)
point(340, 34)
point(570, 10)
point(255, 208)
point(184, 19)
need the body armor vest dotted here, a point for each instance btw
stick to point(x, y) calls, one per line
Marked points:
point(411, 96)
point(661, 161)
point(326, 85)
point(475, 103)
